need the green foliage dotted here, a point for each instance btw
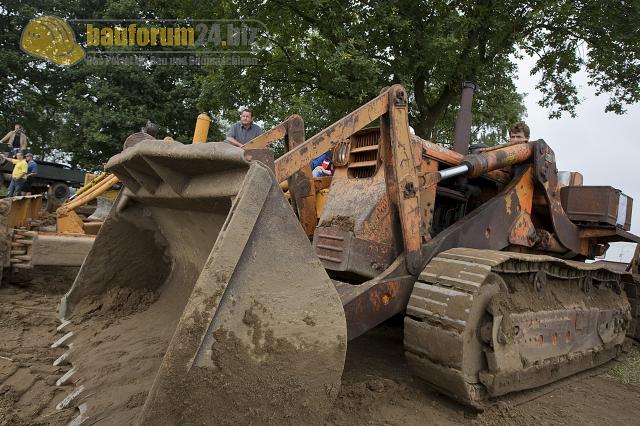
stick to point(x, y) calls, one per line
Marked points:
point(104, 105)
point(322, 59)
point(83, 114)
point(601, 37)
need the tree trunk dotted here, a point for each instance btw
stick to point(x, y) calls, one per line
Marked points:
point(423, 125)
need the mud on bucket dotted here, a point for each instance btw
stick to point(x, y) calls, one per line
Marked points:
point(201, 299)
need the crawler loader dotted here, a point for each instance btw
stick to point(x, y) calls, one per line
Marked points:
point(222, 310)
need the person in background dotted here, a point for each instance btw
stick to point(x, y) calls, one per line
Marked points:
point(151, 129)
point(16, 139)
point(324, 169)
point(519, 132)
point(32, 171)
point(318, 160)
point(148, 132)
point(19, 174)
point(244, 130)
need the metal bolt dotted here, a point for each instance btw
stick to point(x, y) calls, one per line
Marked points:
point(409, 190)
point(539, 281)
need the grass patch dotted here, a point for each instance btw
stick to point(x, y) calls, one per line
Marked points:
point(628, 370)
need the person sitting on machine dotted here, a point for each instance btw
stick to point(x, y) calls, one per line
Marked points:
point(324, 169)
point(519, 132)
point(16, 139)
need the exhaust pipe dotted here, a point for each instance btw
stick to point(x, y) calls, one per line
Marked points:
point(462, 132)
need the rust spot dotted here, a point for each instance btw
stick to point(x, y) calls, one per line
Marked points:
point(386, 299)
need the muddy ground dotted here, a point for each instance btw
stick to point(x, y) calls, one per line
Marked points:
point(377, 388)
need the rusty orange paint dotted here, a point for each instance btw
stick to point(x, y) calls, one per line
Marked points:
point(378, 301)
point(406, 185)
point(301, 186)
point(493, 148)
point(429, 170)
point(438, 152)
point(446, 156)
point(322, 182)
point(508, 155)
point(522, 232)
point(322, 142)
point(524, 191)
point(274, 134)
point(596, 232)
point(379, 225)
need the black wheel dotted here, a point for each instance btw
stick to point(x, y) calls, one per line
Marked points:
point(56, 195)
point(59, 192)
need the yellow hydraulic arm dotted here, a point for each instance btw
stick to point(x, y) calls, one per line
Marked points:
point(67, 221)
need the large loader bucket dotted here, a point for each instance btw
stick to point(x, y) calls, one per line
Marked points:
point(201, 300)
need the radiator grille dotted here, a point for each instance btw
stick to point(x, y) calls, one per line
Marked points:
point(363, 157)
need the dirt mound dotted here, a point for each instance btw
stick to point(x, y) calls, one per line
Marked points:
point(28, 394)
point(377, 388)
point(120, 352)
point(115, 303)
point(50, 280)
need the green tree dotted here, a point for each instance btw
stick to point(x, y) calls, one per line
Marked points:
point(82, 114)
point(28, 91)
point(324, 58)
point(104, 105)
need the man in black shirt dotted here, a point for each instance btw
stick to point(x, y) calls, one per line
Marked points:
point(16, 139)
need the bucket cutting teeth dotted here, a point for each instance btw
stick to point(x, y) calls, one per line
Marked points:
point(69, 399)
point(66, 377)
point(63, 359)
point(64, 341)
point(62, 326)
point(82, 417)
